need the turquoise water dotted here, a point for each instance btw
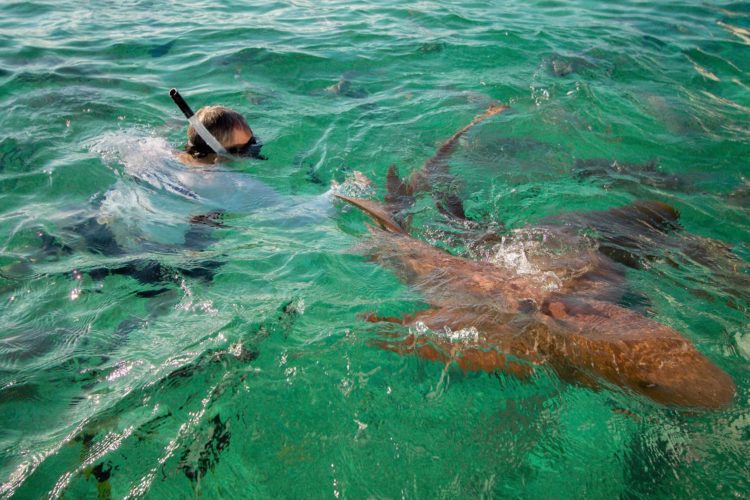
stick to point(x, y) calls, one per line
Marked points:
point(245, 368)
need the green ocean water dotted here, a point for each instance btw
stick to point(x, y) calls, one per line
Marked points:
point(247, 369)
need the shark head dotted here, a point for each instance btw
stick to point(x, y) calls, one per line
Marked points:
point(681, 376)
point(628, 349)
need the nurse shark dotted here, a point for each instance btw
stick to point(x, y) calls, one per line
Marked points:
point(489, 315)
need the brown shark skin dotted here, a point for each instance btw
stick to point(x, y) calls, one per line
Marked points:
point(400, 193)
point(521, 324)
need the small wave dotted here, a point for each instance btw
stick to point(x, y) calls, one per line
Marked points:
point(145, 158)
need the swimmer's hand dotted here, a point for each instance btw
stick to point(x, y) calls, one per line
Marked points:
point(214, 218)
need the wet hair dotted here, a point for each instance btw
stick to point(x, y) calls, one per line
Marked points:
point(221, 122)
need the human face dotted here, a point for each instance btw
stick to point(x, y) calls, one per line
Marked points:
point(240, 142)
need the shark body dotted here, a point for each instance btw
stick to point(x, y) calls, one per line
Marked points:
point(513, 322)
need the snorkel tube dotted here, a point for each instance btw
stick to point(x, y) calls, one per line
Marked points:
point(196, 123)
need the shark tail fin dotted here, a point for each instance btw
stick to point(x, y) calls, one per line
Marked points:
point(377, 211)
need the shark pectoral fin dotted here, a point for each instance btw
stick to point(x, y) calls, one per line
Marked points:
point(413, 344)
point(422, 345)
point(473, 359)
point(468, 359)
point(372, 317)
point(377, 211)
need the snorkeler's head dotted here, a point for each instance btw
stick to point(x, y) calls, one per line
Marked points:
point(228, 127)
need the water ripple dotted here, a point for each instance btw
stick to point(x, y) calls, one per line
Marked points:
point(195, 371)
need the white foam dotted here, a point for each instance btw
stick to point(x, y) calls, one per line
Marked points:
point(464, 335)
point(512, 254)
point(547, 258)
point(144, 158)
point(356, 185)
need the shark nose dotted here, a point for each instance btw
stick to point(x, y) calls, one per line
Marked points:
point(708, 387)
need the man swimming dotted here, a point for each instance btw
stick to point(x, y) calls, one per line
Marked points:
point(216, 131)
point(169, 208)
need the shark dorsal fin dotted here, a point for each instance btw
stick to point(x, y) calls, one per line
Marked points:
point(376, 210)
point(395, 186)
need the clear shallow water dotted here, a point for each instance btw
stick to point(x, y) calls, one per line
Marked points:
point(262, 379)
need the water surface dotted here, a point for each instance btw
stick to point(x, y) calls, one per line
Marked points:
point(245, 366)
